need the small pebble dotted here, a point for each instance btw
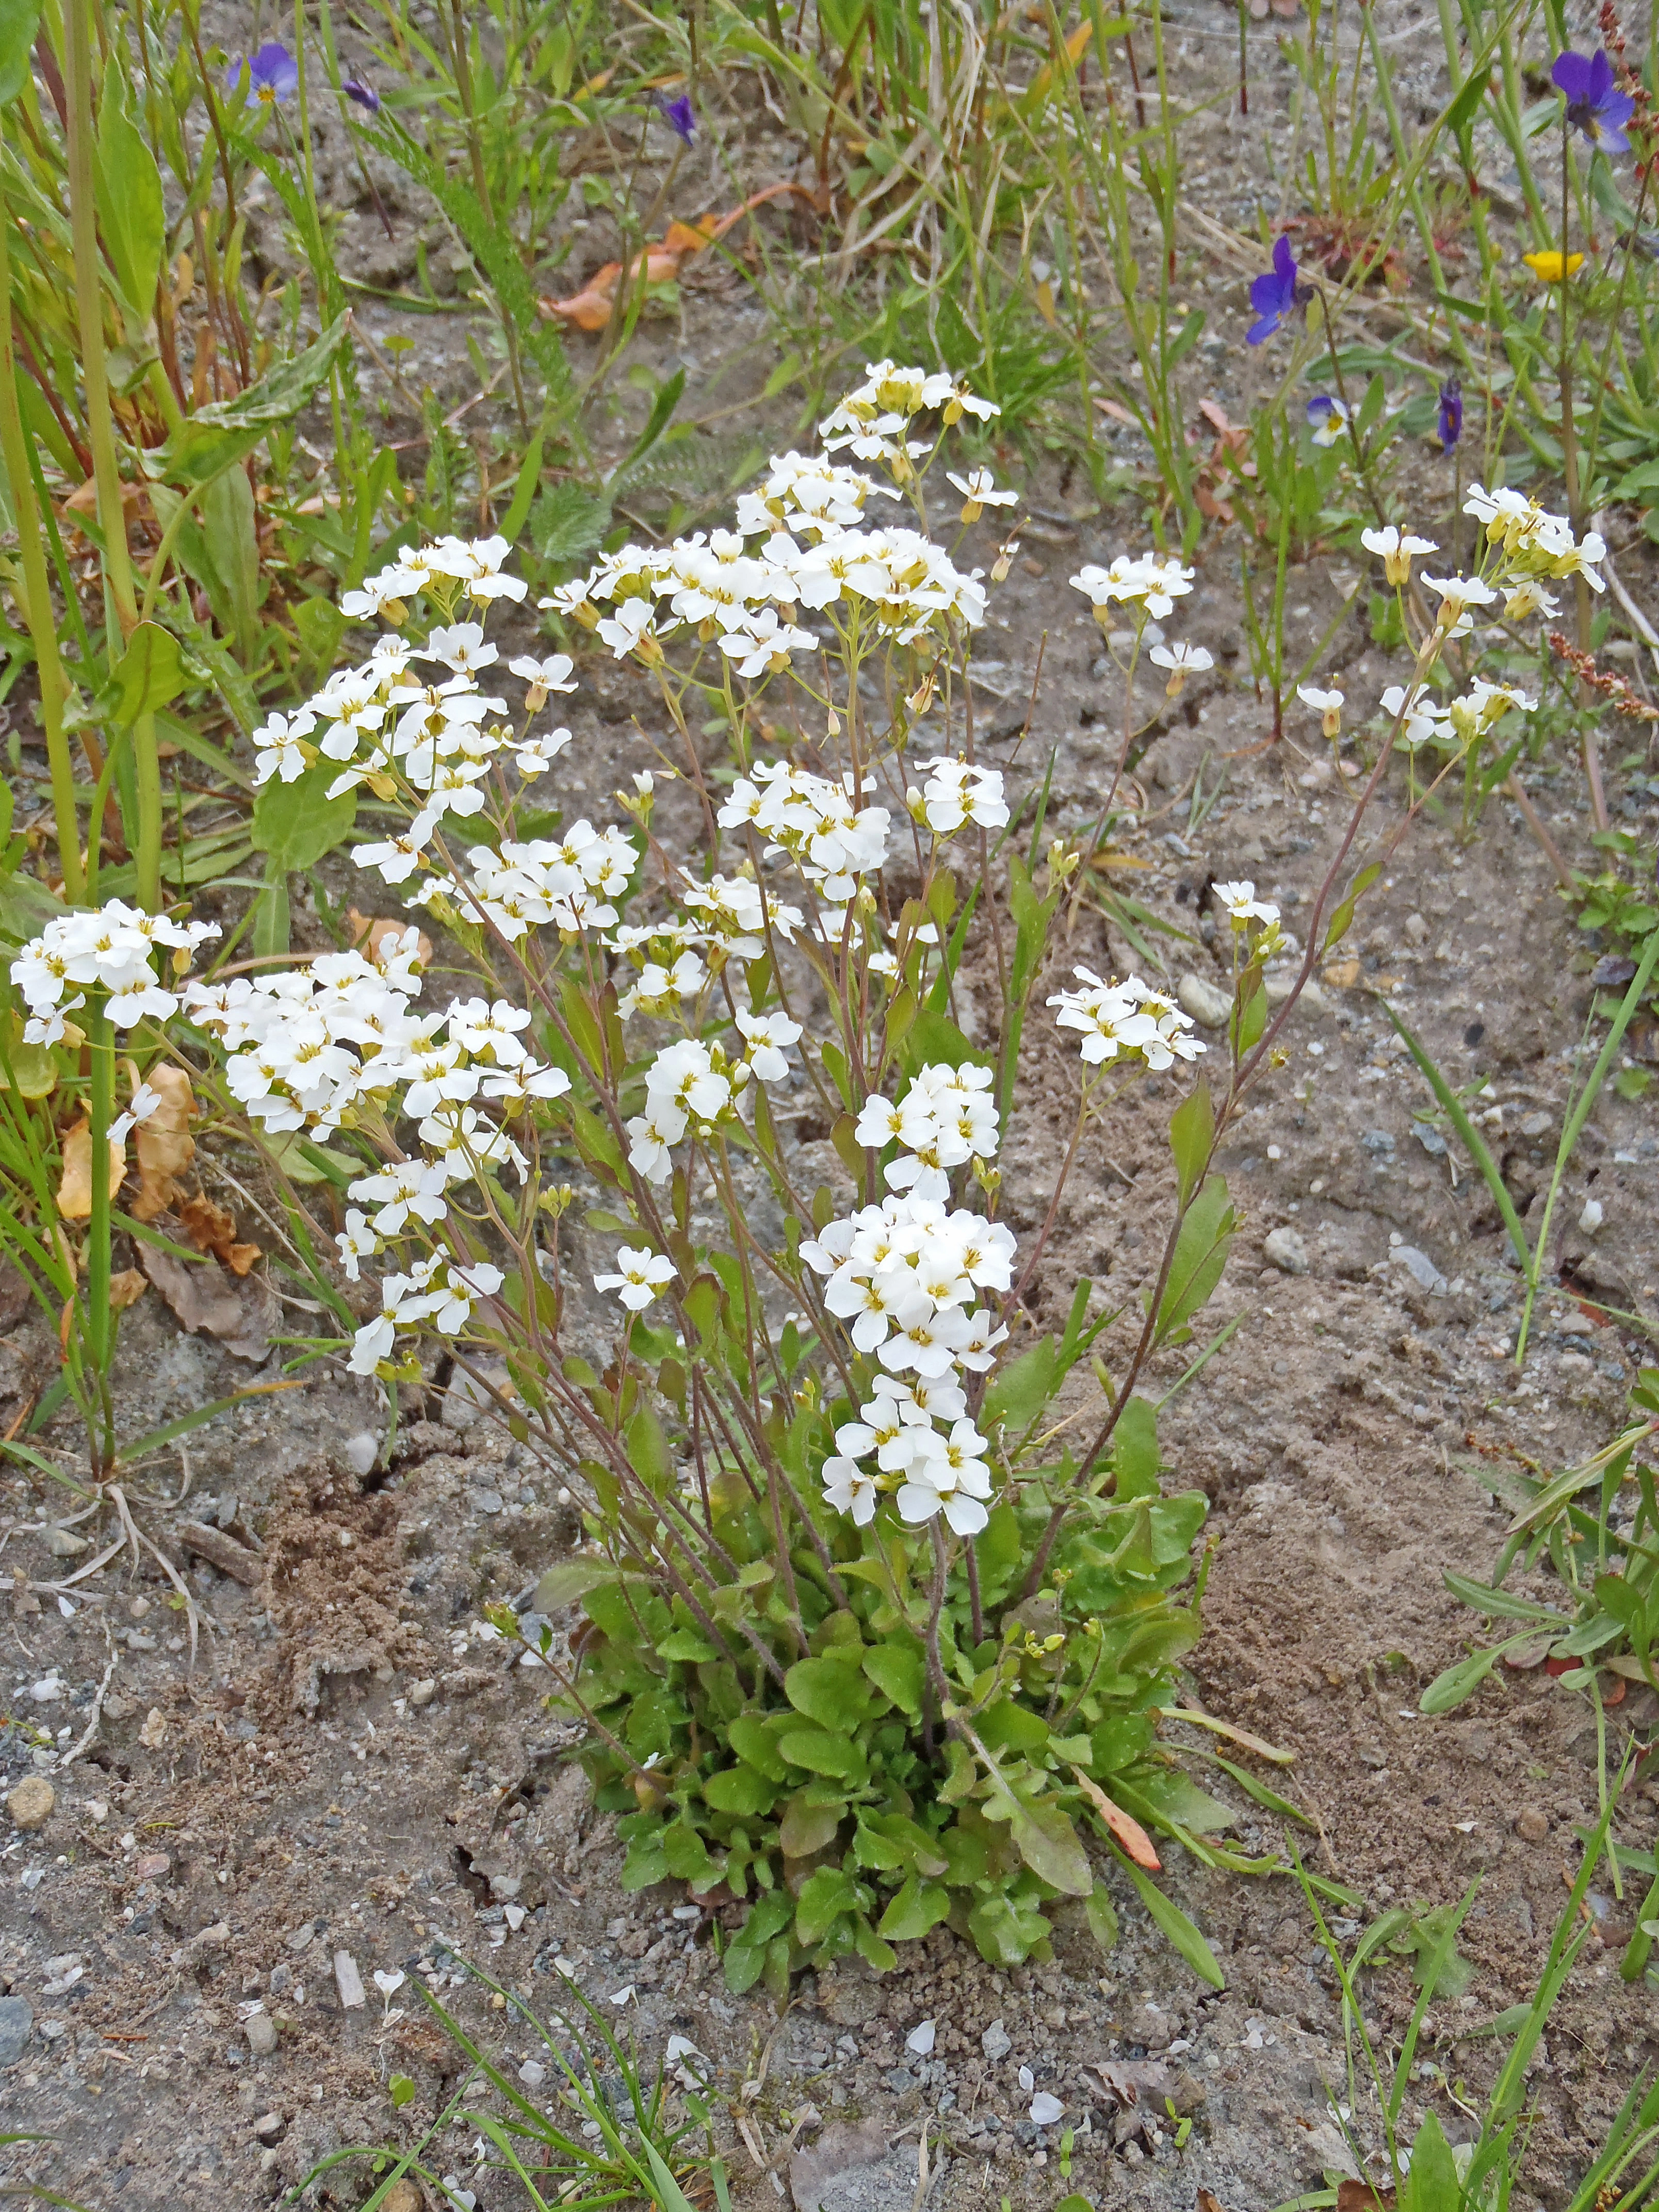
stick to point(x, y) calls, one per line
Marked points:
point(260, 2030)
point(31, 1802)
point(423, 1693)
point(348, 1982)
point(268, 2127)
point(1285, 1249)
point(996, 2042)
point(1531, 1825)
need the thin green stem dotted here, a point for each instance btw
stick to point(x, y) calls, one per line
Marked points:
point(100, 1322)
point(36, 597)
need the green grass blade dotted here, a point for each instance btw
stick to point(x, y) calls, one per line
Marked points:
point(1473, 1142)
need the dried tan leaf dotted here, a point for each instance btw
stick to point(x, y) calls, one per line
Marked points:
point(162, 1141)
point(241, 1311)
point(1126, 1829)
point(212, 1228)
point(127, 1288)
point(1360, 2196)
point(369, 932)
point(1208, 2201)
point(74, 1190)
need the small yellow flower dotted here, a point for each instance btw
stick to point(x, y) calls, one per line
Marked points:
point(1546, 267)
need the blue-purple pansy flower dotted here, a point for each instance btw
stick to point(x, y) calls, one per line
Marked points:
point(1595, 104)
point(269, 75)
point(679, 115)
point(1451, 413)
point(1277, 295)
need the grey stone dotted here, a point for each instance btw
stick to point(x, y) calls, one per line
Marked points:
point(1206, 1002)
point(268, 2127)
point(851, 2169)
point(1377, 1141)
point(16, 2023)
point(348, 1982)
point(1431, 1139)
point(1418, 1266)
point(1285, 1249)
point(996, 2042)
point(260, 2030)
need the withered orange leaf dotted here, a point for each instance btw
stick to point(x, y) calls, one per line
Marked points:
point(127, 1288)
point(212, 1228)
point(1126, 1829)
point(74, 1190)
point(162, 1140)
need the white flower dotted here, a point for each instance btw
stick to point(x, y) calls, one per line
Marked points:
point(767, 1035)
point(762, 646)
point(641, 1275)
point(1327, 705)
point(1156, 583)
point(1241, 903)
point(1397, 548)
point(1457, 594)
point(551, 674)
point(142, 1103)
point(1421, 721)
point(281, 751)
point(979, 491)
point(957, 791)
point(356, 1241)
point(850, 1490)
point(1125, 1019)
point(1182, 661)
point(629, 630)
point(1527, 597)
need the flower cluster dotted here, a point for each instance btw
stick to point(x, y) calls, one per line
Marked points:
point(946, 1117)
point(438, 1290)
point(1128, 1019)
point(1459, 724)
point(958, 792)
point(1152, 583)
point(568, 881)
point(905, 1276)
point(109, 951)
point(874, 420)
point(1534, 544)
point(832, 838)
point(694, 1086)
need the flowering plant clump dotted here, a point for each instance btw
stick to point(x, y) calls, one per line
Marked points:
point(695, 1177)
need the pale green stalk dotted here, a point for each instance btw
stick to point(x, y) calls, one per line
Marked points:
point(120, 593)
point(36, 597)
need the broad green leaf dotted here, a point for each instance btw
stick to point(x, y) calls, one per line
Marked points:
point(820, 1752)
point(824, 1898)
point(758, 1745)
point(1134, 1451)
point(916, 1908)
point(1459, 1682)
point(830, 1692)
point(1192, 1132)
point(1342, 920)
point(1175, 1924)
point(20, 20)
point(808, 1824)
point(1102, 1916)
point(131, 218)
point(934, 1040)
point(1200, 1255)
point(1501, 1604)
point(151, 673)
point(1048, 1844)
point(295, 824)
point(739, 1789)
point(1432, 2185)
point(897, 1670)
point(573, 1579)
point(225, 431)
point(648, 1450)
point(1020, 1390)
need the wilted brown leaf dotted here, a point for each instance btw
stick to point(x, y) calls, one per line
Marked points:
point(369, 932)
point(74, 1190)
point(1360, 2196)
point(1126, 1829)
point(127, 1288)
point(1130, 2079)
point(212, 1228)
point(241, 1311)
point(162, 1141)
point(1208, 2201)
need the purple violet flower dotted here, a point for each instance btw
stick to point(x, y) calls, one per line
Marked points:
point(1595, 104)
point(679, 115)
point(1451, 413)
point(365, 94)
point(272, 75)
point(1327, 418)
point(1276, 295)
